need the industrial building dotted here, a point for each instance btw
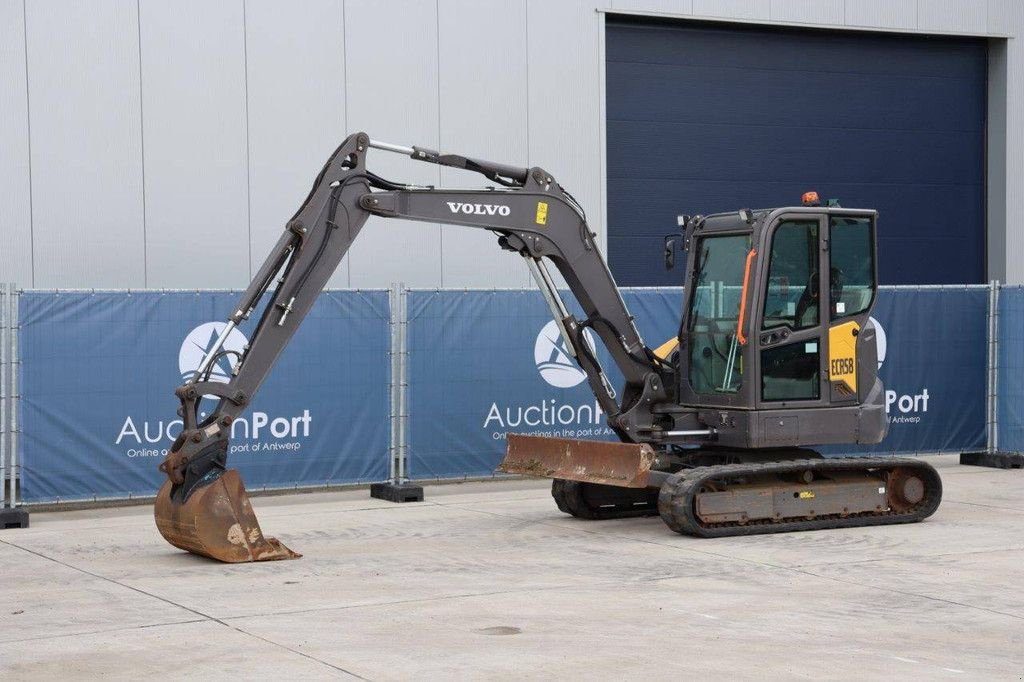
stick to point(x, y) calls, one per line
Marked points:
point(163, 145)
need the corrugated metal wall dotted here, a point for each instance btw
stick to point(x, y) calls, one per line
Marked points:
point(703, 119)
point(146, 143)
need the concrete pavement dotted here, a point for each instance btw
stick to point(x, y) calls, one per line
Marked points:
point(490, 581)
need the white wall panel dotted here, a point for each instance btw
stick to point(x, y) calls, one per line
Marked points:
point(1006, 141)
point(482, 114)
point(952, 15)
point(995, 135)
point(87, 213)
point(662, 6)
point(16, 206)
point(1007, 17)
point(748, 10)
point(808, 11)
point(75, 148)
point(566, 112)
point(882, 13)
point(391, 74)
point(1004, 17)
point(194, 137)
point(296, 86)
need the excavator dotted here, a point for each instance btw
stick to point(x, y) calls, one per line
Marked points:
point(775, 356)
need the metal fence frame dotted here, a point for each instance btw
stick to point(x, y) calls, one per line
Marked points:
point(399, 354)
point(14, 395)
point(5, 293)
point(992, 394)
point(992, 341)
point(398, 450)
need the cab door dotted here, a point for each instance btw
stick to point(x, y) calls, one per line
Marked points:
point(815, 345)
point(852, 364)
point(792, 334)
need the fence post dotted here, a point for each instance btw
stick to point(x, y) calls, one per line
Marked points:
point(990, 364)
point(3, 396)
point(403, 385)
point(993, 386)
point(992, 456)
point(397, 488)
point(396, 374)
point(11, 516)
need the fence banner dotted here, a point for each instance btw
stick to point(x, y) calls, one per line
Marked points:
point(98, 373)
point(1010, 380)
point(932, 357)
point(486, 363)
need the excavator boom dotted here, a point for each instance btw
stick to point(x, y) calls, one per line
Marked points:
point(204, 510)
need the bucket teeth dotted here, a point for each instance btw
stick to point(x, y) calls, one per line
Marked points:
point(216, 521)
point(625, 465)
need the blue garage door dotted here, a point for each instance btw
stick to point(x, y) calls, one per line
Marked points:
point(706, 118)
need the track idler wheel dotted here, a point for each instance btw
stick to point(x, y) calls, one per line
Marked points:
point(215, 519)
point(905, 489)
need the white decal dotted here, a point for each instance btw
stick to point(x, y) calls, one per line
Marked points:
point(478, 209)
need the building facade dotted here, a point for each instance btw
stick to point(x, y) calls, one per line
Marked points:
point(154, 144)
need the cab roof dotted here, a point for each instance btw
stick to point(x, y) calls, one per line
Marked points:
point(734, 220)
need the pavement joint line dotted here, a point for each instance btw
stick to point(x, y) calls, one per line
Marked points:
point(919, 556)
point(510, 499)
point(267, 511)
point(906, 593)
point(979, 504)
point(86, 633)
point(794, 569)
point(427, 600)
point(202, 615)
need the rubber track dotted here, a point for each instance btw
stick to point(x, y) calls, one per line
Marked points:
point(676, 502)
point(571, 498)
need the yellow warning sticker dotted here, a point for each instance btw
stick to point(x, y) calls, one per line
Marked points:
point(542, 213)
point(806, 494)
point(842, 354)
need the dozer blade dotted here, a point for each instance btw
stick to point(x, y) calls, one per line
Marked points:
point(216, 520)
point(620, 464)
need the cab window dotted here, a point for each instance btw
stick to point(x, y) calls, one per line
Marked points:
point(852, 266)
point(715, 362)
point(791, 299)
point(791, 372)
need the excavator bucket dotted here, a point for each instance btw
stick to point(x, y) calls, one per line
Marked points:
point(620, 464)
point(217, 521)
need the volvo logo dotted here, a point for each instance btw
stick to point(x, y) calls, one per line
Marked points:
point(478, 209)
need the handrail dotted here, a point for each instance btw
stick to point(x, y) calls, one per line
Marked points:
point(743, 298)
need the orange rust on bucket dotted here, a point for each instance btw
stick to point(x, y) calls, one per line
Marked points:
point(620, 464)
point(216, 521)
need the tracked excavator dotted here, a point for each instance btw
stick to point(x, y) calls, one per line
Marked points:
point(775, 355)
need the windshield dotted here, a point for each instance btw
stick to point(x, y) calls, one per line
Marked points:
point(715, 365)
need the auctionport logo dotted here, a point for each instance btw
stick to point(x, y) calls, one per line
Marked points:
point(260, 432)
point(553, 360)
point(550, 416)
point(901, 408)
point(200, 341)
point(880, 342)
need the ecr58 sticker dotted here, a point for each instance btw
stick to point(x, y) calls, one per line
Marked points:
point(842, 355)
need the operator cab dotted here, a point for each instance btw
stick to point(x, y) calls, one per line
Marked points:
point(757, 331)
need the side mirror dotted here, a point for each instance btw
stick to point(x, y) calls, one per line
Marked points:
point(670, 252)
